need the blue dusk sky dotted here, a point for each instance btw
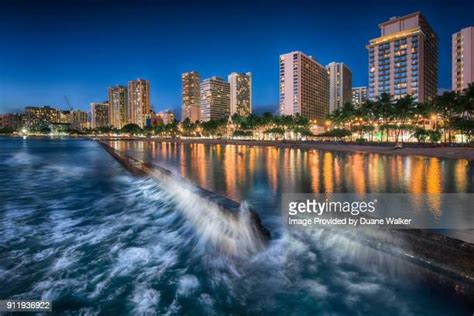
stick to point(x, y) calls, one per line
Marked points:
point(52, 49)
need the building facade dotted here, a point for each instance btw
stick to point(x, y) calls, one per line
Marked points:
point(240, 93)
point(139, 101)
point(118, 103)
point(191, 96)
point(304, 86)
point(164, 117)
point(359, 95)
point(65, 117)
point(12, 121)
point(79, 120)
point(462, 59)
point(215, 99)
point(404, 59)
point(340, 85)
point(100, 115)
point(38, 118)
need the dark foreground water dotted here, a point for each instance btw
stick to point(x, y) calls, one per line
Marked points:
point(77, 229)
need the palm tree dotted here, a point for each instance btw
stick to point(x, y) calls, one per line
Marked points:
point(368, 111)
point(347, 113)
point(403, 111)
point(465, 106)
point(469, 95)
point(335, 116)
point(385, 109)
point(267, 118)
point(446, 105)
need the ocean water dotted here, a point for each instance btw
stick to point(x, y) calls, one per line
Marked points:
point(76, 228)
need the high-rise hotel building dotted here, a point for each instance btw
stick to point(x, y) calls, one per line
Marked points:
point(462, 58)
point(240, 93)
point(118, 111)
point(139, 101)
point(359, 95)
point(191, 96)
point(304, 86)
point(340, 85)
point(100, 115)
point(215, 99)
point(404, 59)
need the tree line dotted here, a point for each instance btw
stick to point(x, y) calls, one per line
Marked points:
point(444, 115)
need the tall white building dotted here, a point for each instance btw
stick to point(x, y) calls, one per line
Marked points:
point(340, 85)
point(118, 112)
point(404, 59)
point(139, 101)
point(215, 99)
point(304, 86)
point(240, 93)
point(462, 58)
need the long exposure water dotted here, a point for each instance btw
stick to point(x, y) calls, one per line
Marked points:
point(78, 229)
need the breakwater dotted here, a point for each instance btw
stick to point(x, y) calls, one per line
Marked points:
point(433, 257)
point(232, 227)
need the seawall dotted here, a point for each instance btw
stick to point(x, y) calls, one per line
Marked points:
point(243, 232)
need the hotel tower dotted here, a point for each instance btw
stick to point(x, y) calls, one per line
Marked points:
point(100, 116)
point(404, 59)
point(304, 86)
point(463, 58)
point(340, 85)
point(139, 101)
point(215, 99)
point(191, 96)
point(118, 104)
point(240, 93)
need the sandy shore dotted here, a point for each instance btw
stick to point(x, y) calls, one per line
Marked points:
point(440, 152)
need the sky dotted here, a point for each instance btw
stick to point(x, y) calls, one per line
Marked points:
point(53, 49)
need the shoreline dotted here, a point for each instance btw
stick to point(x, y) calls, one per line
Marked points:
point(410, 149)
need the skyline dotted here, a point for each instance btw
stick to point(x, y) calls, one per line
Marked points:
point(65, 54)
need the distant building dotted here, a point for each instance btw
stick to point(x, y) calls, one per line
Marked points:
point(462, 59)
point(304, 86)
point(100, 115)
point(13, 121)
point(164, 117)
point(139, 101)
point(191, 96)
point(79, 120)
point(215, 99)
point(404, 59)
point(359, 95)
point(340, 85)
point(240, 93)
point(118, 106)
point(65, 117)
point(37, 118)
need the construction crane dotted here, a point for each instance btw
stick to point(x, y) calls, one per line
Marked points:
point(68, 104)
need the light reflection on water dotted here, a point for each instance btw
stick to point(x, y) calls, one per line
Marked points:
point(261, 174)
point(238, 171)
